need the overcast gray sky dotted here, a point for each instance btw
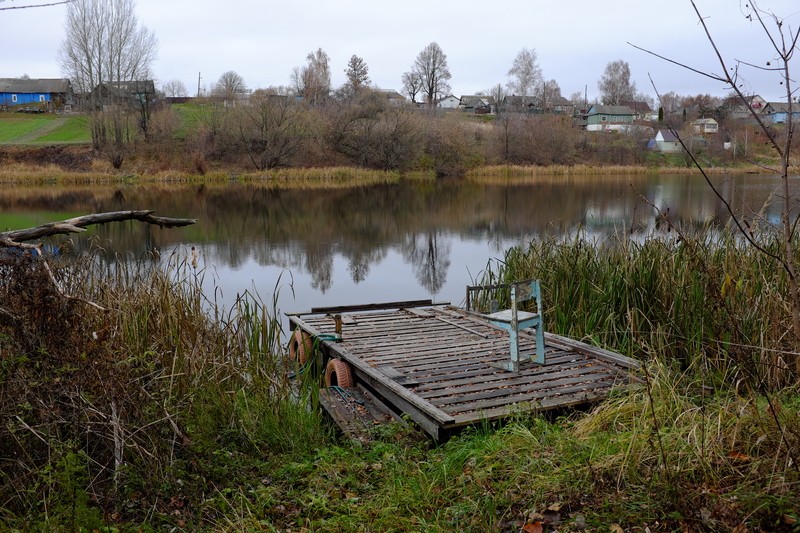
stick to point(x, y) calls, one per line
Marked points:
point(574, 40)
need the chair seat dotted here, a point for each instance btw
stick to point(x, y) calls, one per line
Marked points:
point(505, 316)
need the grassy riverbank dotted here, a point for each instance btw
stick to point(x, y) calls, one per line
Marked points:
point(332, 176)
point(155, 415)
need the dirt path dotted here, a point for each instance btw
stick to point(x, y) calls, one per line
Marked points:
point(40, 132)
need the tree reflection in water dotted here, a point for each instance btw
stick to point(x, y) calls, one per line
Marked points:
point(429, 259)
point(378, 242)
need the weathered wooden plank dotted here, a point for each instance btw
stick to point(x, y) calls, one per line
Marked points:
point(546, 385)
point(387, 386)
point(433, 376)
point(503, 379)
point(420, 312)
point(566, 400)
point(370, 307)
point(600, 353)
point(525, 397)
point(398, 377)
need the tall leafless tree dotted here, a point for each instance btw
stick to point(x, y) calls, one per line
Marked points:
point(412, 84)
point(498, 94)
point(174, 88)
point(525, 74)
point(431, 67)
point(549, 92)
point(105, 43)
point(615, 84)
point(229, 84)
point(313, 80)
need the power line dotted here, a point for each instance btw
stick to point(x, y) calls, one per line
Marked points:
point(35, 5)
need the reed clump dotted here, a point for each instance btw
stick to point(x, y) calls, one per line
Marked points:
point(118, 380)
point(709, 301)
point(581, 169)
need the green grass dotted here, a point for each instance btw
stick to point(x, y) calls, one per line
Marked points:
point(15, 126)
point(74, 130)
point(189, 115)
point(19, 128)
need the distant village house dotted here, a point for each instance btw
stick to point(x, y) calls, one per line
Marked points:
point(609, 118)
point(53, 94)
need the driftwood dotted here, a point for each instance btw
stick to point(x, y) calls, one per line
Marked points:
point(19, 238)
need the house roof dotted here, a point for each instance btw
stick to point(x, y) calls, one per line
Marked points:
point(610, 110)
point(132, 87)
point(637, 106)
point(558, 100)
point(702, 121)
point(43, 85)
point(476, 101)
point(781, 107)
point(469, 98)
point(390, 94)
point(520, 101)
point(667, 136)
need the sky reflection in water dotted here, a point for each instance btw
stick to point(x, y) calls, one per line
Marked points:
point(416, 239)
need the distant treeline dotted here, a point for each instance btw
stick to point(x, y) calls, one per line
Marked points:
point(368, 131)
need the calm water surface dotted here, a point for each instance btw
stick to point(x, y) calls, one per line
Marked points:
point(410, 240)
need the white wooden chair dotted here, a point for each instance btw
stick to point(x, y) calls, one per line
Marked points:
point(515, 319)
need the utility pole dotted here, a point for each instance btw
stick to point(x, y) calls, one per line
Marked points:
point(198, 85)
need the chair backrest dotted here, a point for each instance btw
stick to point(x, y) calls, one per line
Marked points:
point(525, 290)
point(485, 298)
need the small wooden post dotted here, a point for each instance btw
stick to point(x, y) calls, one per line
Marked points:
point(337, 319)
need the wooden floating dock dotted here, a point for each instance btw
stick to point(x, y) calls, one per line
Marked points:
point(437, 364)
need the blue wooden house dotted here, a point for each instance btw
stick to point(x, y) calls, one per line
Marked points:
point(50, 93)
point(778, 112)
point(609, 118)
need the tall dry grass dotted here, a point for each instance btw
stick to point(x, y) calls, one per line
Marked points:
point(712, 303)
point(115, 374)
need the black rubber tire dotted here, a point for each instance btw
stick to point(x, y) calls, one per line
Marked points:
point(338, 374)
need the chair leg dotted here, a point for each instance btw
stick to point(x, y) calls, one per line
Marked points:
point(540, 344)
point(514, 351)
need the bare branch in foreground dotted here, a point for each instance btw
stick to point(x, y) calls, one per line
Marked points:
point(18, 238)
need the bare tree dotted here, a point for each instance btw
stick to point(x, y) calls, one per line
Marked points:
point(670, 102)
point(550, 91)
point(615, 84)
point(105, 43)
point(784, 42)
point(525, 73)
point(174, 88)
point(578, 99)
point(106, 53)
point(313, 80)
point(412, 84)
point(271, 130)
point(431, 66)
point(498, 94)
point(703, 105)
point(229, 84)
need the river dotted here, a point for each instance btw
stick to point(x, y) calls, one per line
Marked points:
point(415, 239)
